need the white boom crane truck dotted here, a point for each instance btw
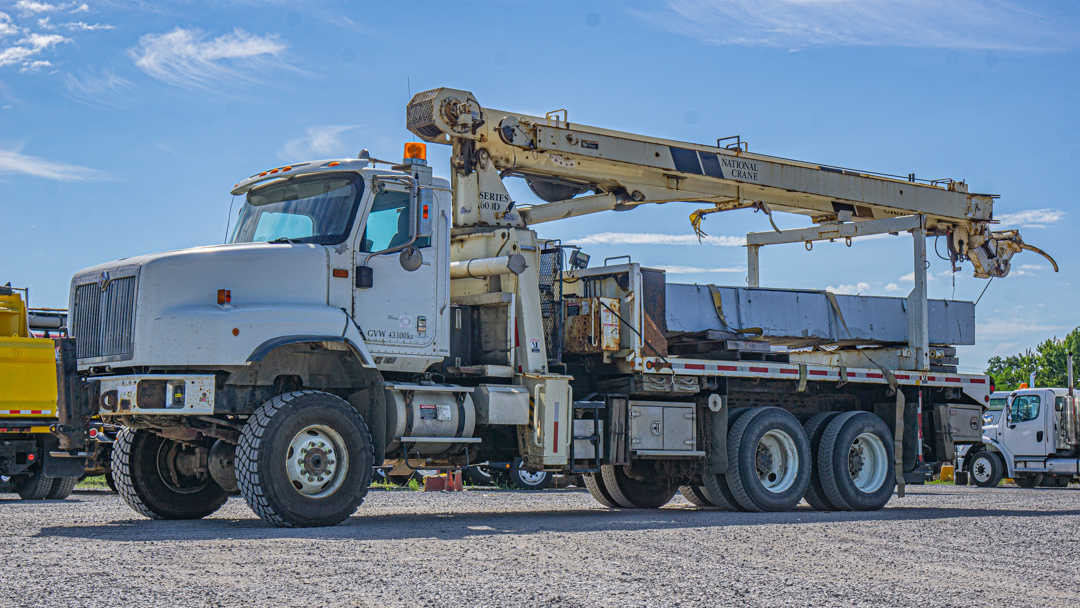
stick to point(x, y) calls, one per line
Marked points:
point(363, 316)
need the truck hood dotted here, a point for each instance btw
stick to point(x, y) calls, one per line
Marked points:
point(138, 309)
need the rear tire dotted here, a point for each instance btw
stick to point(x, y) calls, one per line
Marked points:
point(769, 460)
point(305, 460)
point(34, 486)
point(594, 483)
point(1028, 481)
point(523, 479)
point(109, 481)
point(630, 493)
point(137, 460)
point(695, 496)
point(856, 454)
point(715, 487)
point(986, 469)
point(815, 428)
point(62, 487)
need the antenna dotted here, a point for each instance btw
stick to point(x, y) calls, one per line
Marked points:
point(408, 84)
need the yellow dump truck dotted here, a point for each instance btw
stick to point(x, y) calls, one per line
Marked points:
point(28, 404)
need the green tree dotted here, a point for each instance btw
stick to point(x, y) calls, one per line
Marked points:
point(1048, 361)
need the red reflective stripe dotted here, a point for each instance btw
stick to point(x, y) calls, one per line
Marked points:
point(555, 446)
point(952, 380)
point(869, 375)
point(818, 372)
point(784, 370)
point(759, 370)
point(978, 380)
point(899, 377)
point(694, 366)
point(727, 368)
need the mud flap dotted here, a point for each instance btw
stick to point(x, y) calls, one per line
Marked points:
point(53, 466)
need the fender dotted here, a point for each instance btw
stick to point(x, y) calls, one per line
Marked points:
point(993, 445)
point(351, 336)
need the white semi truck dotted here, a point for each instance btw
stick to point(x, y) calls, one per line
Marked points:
point(1034, 441)
point(367, 313)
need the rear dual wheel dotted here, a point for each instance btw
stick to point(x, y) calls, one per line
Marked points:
point(855, 462)
point(615, 488)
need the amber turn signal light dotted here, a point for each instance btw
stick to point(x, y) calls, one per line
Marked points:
point(224, 296)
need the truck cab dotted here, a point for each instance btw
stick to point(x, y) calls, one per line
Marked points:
point(1034, 440)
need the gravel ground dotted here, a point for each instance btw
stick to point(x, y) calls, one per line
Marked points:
point(940, 546)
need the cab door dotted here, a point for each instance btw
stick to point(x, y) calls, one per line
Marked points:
point(397, 264)
point(1025, 428)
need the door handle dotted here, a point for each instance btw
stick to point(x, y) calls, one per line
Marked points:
point(1039, 436)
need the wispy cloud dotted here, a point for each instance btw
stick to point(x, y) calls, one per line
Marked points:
point(321, 141)
point(93, 88)
point(1031, 218)
point(855, 288)
point(14, 162)
point(652, 238)
point(189, 58)
point(960, 24)
point(893, 288)
point(27, 51)
point(1016, 327)
point(7, 28)
point(695, 269)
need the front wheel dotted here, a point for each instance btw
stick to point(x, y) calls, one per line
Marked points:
point(158, 477)
point(986, 469)
point(524, 479)
point(305, 460)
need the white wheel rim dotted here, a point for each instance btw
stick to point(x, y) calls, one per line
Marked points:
point(530, 478)
point(777, 461)
point(981, 469)
point(868, 462)
point(317, 461)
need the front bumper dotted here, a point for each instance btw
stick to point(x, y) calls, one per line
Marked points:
point(149, 394)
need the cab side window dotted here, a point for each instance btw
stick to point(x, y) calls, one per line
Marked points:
point(1024, 408)
point(388, 223)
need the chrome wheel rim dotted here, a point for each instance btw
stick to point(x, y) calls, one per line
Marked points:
point(531, 478)
point(777, 461)
point(317, 461)
point(868, 462)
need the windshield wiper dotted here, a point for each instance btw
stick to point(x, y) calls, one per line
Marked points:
point(284, 239)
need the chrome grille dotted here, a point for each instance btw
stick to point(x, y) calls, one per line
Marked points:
point(103, 320)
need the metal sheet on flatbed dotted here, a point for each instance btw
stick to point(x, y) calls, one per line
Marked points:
point(799, 318)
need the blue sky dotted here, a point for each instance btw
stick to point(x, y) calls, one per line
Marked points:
point(123, 125)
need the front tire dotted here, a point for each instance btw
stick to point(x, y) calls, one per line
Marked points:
point(147, 478)
point(986, 469)
point(523, 479)
point(305, 460)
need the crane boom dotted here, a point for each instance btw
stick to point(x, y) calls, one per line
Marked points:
point(561, 161)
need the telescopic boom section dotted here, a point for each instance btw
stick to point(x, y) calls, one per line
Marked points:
point(562, 161)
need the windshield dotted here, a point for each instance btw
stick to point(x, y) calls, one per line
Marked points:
point(315, 209)
point(996, 404)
